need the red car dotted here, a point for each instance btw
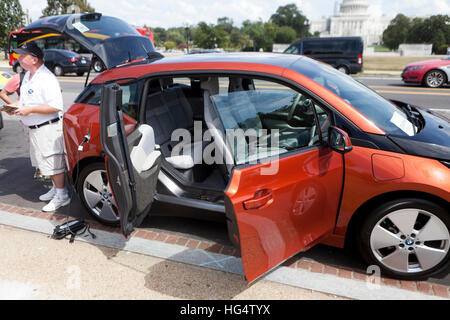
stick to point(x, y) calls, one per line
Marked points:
point(432, 73)
point(291, 151)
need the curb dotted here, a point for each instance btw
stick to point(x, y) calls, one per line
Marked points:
point(301, 272)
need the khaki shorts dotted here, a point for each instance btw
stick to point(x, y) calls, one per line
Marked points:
point(47, 146)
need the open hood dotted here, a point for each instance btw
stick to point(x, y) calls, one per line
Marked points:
point(112, 40)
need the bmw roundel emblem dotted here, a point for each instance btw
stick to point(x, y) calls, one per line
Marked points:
point(30, 91)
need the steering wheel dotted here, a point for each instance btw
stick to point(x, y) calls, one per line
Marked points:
point(293, 107)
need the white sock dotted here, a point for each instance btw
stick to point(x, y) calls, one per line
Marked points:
point(61, 192)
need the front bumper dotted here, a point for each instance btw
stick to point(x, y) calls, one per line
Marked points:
point(412, 75)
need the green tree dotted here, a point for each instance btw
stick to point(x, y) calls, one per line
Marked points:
point(11, 17)
point(397, 32)
point(177, 35)
point(285, 35)
point(170, 45)
point(57, 7)
point(238, 40)
point(290, 16)
point(208, 36)
point(261, 35)
point(159, 35)
point(434, 30)
point(226, 24)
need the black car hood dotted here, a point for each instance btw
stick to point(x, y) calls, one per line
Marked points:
point(112, 40)
point(433, 141)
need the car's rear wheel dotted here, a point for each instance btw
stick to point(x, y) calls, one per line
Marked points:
point(434, 79)
point(407, 238)
point(343, 69)
point(58, 71)
point(96, 195)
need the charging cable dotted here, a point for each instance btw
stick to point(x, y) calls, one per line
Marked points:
point(74, 227)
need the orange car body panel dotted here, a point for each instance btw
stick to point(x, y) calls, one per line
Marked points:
point(416, 174)
point(305, 198)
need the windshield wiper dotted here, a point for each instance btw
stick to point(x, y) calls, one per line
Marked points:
point(413, 117)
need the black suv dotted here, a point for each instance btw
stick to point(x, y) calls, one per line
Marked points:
point(343, 53)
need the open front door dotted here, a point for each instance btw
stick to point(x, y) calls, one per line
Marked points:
point(278, 209)
point(132, 163)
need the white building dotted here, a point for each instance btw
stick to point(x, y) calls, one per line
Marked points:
point(352, 18)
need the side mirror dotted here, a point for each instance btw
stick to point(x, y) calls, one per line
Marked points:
point(339, 141)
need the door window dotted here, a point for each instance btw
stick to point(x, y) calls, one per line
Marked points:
point(130, 98)
point(268, 120)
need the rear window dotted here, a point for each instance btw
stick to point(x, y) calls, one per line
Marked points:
point(96, 30)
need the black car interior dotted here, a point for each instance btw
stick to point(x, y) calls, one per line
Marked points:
point(177, 105)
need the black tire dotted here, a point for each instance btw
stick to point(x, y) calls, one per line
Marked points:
point(435, 79)
point(18, 69)
point(93, 206)
point(343, 69)
point(98, 66)
point(377, 221)
point(58, 71)
point(80, 74)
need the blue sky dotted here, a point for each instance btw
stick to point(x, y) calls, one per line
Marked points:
point(176, 13)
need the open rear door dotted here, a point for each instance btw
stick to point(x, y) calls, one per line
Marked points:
point(278, 209)
point(132, 163)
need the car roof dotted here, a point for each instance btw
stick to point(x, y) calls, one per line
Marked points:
point(214, 61)
point(274, 64)
point(276, 59)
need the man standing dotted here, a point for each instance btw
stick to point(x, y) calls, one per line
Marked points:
point(11, 87)
point(39, 105)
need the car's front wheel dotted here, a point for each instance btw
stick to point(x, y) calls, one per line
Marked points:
point(435, 79)
point(407, 238)
point(96, 195)
point(58, 71)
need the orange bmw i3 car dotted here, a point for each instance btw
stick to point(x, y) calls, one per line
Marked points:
point(289, 150)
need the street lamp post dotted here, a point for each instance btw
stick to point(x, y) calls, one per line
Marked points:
point(187, 39)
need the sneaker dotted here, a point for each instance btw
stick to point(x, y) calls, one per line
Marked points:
point(57, 202)
point(49, 195)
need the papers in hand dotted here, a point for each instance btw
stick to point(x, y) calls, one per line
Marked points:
point(8, 108)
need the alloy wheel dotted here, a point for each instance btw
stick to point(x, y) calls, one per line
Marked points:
point(98, 197)
point(410, 240)
point(435, 79)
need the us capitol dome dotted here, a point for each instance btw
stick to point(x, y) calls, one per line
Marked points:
point(352, 18)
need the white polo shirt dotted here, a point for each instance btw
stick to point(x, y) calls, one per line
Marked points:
point(43, 88)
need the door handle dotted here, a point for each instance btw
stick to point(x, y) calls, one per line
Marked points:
point(260, 199)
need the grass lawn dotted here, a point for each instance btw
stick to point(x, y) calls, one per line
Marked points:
point(393, 63)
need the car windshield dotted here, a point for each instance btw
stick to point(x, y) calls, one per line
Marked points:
point(380, 111)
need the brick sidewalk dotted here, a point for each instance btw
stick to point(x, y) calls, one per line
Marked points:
point(295, 262)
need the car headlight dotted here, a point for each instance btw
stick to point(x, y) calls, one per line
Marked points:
point(416, 68)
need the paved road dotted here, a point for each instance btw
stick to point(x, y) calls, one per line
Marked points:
point(18, 188)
